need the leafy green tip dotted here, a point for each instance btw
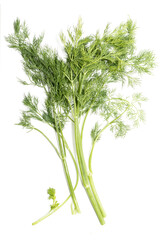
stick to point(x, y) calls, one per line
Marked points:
point(51, 192)
point(17, 26)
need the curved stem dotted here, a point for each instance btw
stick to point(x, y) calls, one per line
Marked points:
point(77, 179)
point(49, 142)
point(90, 158)
point(100, 132)
point(51, 212)
point(54, 210)
point(90, 164)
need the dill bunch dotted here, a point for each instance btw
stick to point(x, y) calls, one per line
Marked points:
point(82, 83)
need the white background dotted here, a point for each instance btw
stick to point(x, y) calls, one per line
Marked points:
point(130, 173)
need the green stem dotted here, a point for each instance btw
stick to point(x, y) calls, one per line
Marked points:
point(54, 210)
point(84, 178)
point(77, 179)
point(96, 195)
point(50, 212)
point(70, 118)
point(82, 165)
point(70, 107)
point(70, 185)
point(90, 163)
point(66, 170)
point(83, 124)
point(95, 205)
point(48, 141)
point(93, 186)
point(84, 174)
point(74, 161)
point(62, 137)
point(100, 132)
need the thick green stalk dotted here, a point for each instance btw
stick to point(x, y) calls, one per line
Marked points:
point(96, 195)
point(90, 162)
point(82, 165)
point(92, 186)
point(84, 173)
point(84, 177)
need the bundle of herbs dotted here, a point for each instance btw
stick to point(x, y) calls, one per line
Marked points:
point(82, 83)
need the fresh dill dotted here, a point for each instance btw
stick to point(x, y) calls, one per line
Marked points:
point(83, 83)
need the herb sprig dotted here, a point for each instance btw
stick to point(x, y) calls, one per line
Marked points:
point(81, 84)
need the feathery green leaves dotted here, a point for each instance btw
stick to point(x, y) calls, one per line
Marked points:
point(91, 64)
point(51, 193)
point(120, 129)
point(94, 132)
